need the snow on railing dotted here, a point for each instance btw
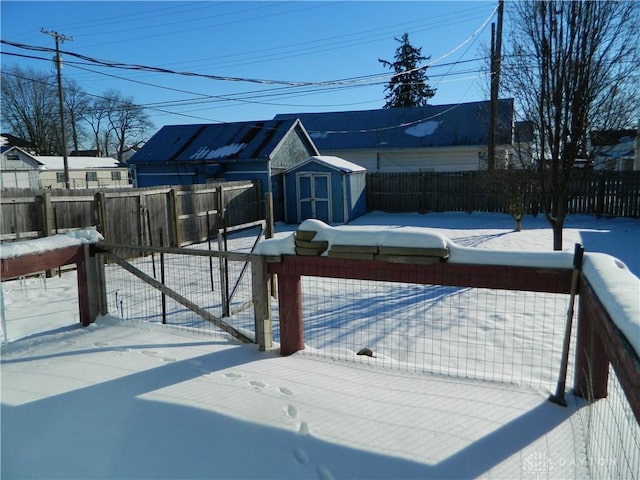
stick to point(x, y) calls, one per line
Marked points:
point(32, 256)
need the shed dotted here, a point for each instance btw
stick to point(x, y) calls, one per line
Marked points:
point(326, 188)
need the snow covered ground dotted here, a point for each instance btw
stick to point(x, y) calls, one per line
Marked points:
point(133, 400)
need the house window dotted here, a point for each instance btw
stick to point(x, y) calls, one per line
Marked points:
point(13, 157)
point(60, 177)
point(92, 176)
point(116, 176)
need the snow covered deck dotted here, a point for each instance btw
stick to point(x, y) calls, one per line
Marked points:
point(117, 400)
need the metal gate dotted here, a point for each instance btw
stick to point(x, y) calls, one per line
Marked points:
point(197, 288)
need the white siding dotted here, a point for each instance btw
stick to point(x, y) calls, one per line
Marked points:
point(78, 178)
point(451, 159)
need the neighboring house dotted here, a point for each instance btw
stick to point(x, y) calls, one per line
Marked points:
point(192, 154)
point(431, 138)
point(7, 141)
point(615, 150)
point(84, 172)
point(326, 188)
point(19, 169)
point(129, 152)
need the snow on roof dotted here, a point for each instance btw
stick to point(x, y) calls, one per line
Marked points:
point(333, 162)
point(615, 285)
point(46, 244)
point(57, 163)
point(407, 127)
point(216, 141)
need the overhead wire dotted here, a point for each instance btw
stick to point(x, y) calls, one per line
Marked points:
point(284, 88)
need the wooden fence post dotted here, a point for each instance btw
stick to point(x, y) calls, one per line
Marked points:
point(258, 191)
point(85, 279)
point(269, 231)
point(268, 198)
point(600, 203)
point(101, 213)
point(261, 302)
point(48, 223)
point(142, 207)
point(173, 220)
point(290, 301)
point(47, 214)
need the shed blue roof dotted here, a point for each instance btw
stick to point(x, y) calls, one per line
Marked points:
point(215, 142)
point(408, 127)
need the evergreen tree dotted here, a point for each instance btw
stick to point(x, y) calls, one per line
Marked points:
point(407, 89)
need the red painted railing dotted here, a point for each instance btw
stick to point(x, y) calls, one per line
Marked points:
point(599, 341)
point(80, 255)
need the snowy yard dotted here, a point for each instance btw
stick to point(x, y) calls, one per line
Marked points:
point(135, 400)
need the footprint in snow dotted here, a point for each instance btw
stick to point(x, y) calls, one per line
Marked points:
point(232, 375)
point(149, 353)
point(285, 391)
point(101, 344)
point(325, 474)
point(257, 384)
point(197, 365)
point(303, 429)
point(300, 455)
point(292, 412)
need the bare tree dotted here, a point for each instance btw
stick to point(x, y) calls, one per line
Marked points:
point(76, 104)
point(97, 119)
point(29, 108)
point(128, 122)
point(573, 67)
point(117, 122)
point(514, 181)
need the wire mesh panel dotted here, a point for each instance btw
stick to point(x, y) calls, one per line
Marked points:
point(206, 281)
point(612, 435)
point(489, 334)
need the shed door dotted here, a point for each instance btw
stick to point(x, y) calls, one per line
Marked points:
point(314, 196)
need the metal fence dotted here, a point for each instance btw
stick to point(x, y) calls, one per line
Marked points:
point(205, 288)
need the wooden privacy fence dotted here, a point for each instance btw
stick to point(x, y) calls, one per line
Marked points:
point(187, 214)
point(591, 193)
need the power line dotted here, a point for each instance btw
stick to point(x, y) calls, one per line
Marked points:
point(152, 69)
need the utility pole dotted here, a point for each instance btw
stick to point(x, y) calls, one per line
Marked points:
point(496, 49)
point(59, 38)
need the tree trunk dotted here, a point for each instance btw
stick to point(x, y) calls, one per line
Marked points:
point(518, 221)
point(557, 226)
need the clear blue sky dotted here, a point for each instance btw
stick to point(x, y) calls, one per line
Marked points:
point(295, 41)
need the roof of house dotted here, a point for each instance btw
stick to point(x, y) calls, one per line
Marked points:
point(336, 163)
point(461, 124)
point(7, 141)
point(216, 142)
point(57, 162)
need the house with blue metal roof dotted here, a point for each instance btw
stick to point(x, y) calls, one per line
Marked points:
point(201, 153)
point(428, 138)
